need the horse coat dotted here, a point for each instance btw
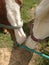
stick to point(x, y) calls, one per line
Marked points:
point(10, 15)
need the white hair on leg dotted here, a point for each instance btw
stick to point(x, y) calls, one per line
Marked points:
point(20, 22)
point(13, 15)
point(30, 43)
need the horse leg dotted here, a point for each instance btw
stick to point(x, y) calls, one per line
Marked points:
point(41, 23)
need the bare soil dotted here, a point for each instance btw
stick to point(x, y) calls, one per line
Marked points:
point(14, 56)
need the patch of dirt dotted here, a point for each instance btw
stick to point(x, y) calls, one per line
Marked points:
point(5, 54)
point(13, 56)
point(34, 60)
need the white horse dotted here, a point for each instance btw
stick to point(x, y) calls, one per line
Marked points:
point(41, 25)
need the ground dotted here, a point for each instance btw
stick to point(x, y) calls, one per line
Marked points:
point(9, 55)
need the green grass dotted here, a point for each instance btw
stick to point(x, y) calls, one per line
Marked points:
point(27, 5)
point(5, 40)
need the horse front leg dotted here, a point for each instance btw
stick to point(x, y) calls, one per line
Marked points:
point(19, 33)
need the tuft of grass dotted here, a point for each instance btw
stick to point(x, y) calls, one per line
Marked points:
point(5, 40)
point(27, 5)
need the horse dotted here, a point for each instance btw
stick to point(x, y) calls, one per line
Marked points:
point(40, 26)
point(10, 16)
